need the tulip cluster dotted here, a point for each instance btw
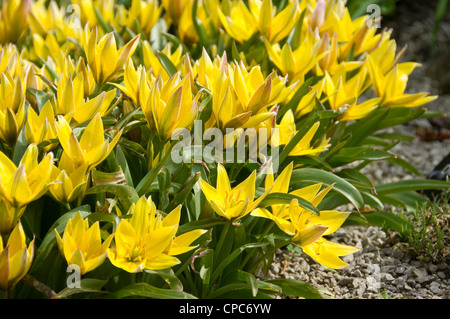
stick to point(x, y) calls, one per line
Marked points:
point(92, 94)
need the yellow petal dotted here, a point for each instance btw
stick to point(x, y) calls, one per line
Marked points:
point(309, 235)
point(161, 261)
point(181, 243)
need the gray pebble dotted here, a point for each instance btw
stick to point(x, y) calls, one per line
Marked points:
point(432, 268)
point(397, 253)
point(389, 277)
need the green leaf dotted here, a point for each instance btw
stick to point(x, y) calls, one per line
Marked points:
point(166, 63)
point(356, 178)
point(225, 262)
point(298, 95)
point(314, 175)
point(297, 288)
point(203, 263)
point(164, 183)
point(296, 38)
point(389, 220)
point(356, 218)
point(202, 224)
point(407, 200)
point(184, 192)
point(148, 291)
point(146, 182)
point(173, 39)
point(20, 147)
point(405, 164)
point(40, 96)
point(411, 185)
point(250, 279)
point(282, 198)
point(105, 27)
point(126, 194)
point(394, 136)
point(400, 115)
point(198, 26)
point(169, 277)
point(102, 178)
point(365, 126)
point(123, 164)
point(372, 200)
point(352, 154)
point(312, 161)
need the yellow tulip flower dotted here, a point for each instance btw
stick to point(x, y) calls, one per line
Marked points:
point(298, 62)
point(43, 19)
point(344, 93)
point(149, 241)
point(103, 57)
point(152, 63)
point(15, 258)
point(88, 77)
point(390, 87)
point(385, 56)
point(145, 13)
point(330, 62)
point(70, 100)
point(12, 107)
point(11, 124)
point(229, 112)
point(28, 182)
point(308, 101)
point(256, 93)
point(287, 131)
point(275, 27)
point(82, 245)
point(9, 216)
point(231, 203)
point(92, 148)
point(41, 128)
point(69, 183)
point(208, 72)
point(13, 20)
point(174, 9)
point(135, 82)
point(185, 24)
point(169, 105)
point(307, 229)
point(47, 47)
point(87, 13)
point(238, 22)
point(9, 59)
point(12, 91)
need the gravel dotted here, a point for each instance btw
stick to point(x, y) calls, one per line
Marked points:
point(383, 268)
point(379, 271)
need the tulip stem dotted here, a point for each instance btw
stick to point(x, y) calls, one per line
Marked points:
point(39, 286)
point(252, 252)
point(223, 235)
point(269, 252)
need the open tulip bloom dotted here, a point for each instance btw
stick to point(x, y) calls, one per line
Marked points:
point(148, 241)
